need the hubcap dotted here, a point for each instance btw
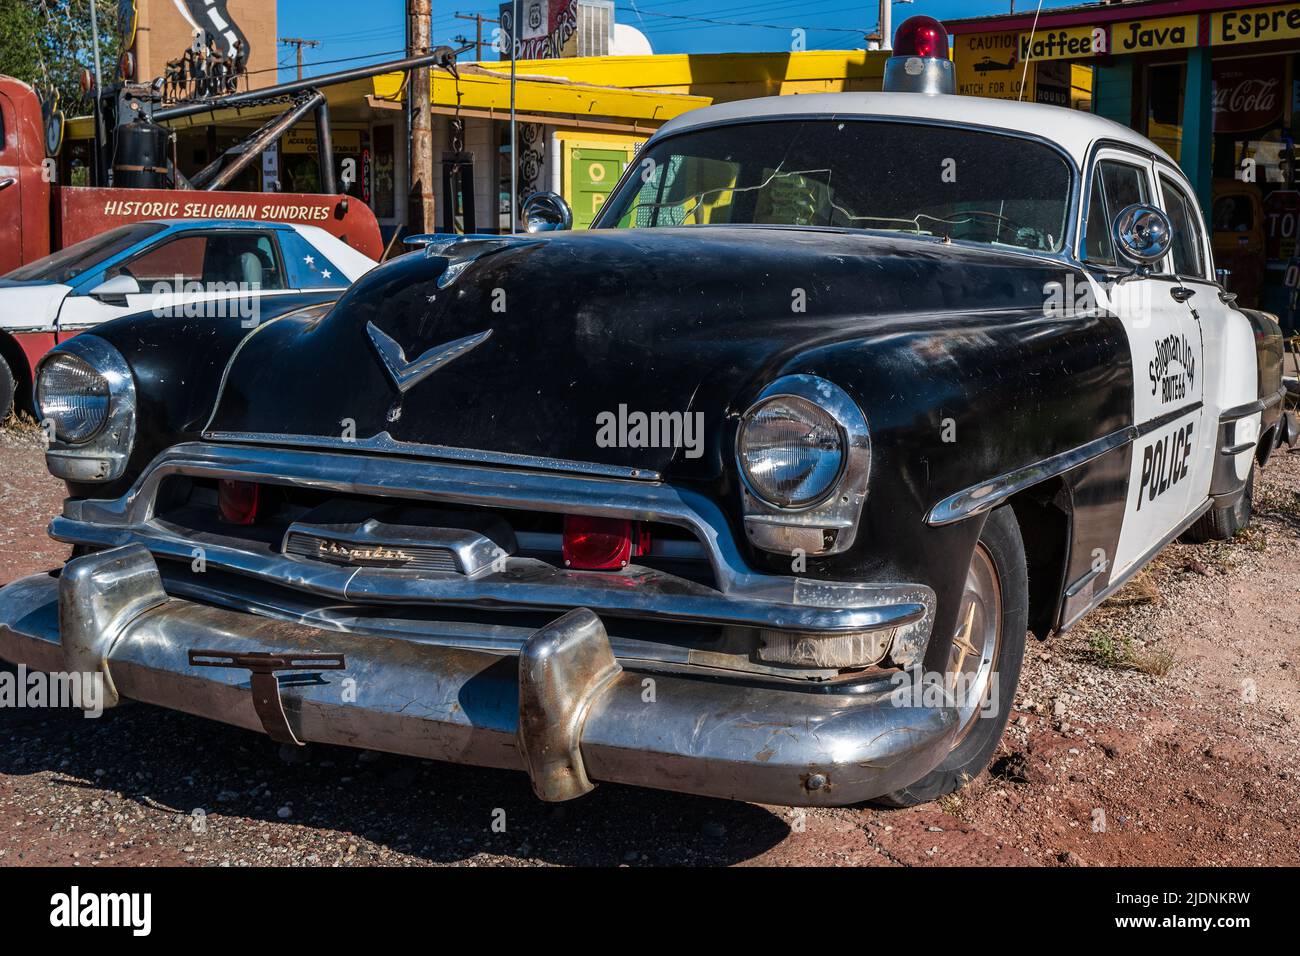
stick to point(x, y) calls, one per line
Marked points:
point(972, 662)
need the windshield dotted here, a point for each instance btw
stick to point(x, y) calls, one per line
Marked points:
point(906, 177)
point(66, 264)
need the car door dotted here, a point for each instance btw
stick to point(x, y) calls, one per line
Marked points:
point(1230, 376)
point(1166, 349)
point(219, 273)
point(11, 208)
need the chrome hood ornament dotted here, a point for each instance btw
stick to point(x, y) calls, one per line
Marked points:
point(406, 375)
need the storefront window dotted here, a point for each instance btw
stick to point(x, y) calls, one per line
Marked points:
point(1165, 85)
point(385, 174)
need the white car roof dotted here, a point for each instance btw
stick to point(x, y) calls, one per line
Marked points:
point(1073, 130)
point(355, 264)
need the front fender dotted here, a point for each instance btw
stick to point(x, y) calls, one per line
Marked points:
point(953, 402)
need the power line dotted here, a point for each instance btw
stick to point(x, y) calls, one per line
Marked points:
point(741, 23)
point(299, 42)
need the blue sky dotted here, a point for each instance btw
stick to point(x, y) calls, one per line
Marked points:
point(348, 28)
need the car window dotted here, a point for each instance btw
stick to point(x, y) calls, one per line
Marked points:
point(1188, 248)
point(307, 266)
point(224, 261)
point(1099, 247)
point(1116, 185)
point(937, 181)
point(66, 264)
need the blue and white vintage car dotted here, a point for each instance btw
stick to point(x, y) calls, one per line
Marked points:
point(171, 267)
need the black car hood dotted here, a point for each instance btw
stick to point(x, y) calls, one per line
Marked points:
point(664, 320)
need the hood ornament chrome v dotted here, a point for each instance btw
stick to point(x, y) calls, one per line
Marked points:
point(406, 375)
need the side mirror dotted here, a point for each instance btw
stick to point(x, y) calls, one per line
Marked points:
point(116, 289)
point(547, 212)
point(1144, 234)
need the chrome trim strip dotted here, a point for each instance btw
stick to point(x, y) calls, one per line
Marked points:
point(743, 597)
point(1146, 428)
point(1074, 589)
point(1250, 408)
point(989, 494)
point(386, 444)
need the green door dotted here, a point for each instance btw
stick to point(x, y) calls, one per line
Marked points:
point(595, 171)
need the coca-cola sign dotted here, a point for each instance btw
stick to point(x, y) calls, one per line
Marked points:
point(1248, 94)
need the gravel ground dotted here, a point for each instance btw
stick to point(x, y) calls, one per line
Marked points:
point(1161, 730)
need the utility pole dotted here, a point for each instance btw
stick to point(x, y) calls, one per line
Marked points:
point(299, 43)
point(479, 20)
point(514, 154)
point(421, 212)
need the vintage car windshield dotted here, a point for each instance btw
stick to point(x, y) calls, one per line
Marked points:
point(66, 264)
point(957, 183)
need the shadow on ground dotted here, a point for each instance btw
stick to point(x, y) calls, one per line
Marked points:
point(436, 812)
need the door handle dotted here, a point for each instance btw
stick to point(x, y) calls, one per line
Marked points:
point(1182, 293)
point(7, 182)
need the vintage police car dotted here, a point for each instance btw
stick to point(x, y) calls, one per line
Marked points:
point(753, 490)
point(174, 267)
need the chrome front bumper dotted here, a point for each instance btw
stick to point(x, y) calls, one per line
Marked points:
point(563, 710)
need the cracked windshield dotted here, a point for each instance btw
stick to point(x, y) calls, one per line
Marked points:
point(847, 174)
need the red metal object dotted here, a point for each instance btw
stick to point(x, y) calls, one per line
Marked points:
point(41, 218)
point(36, 344)
point(86, 211)
point(921, 36)
point(25, 200)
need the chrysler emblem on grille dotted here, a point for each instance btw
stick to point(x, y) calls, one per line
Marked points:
point(406, 375)
point(332, 549)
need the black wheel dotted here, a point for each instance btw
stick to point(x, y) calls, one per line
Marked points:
point(984, 660)
point(7, 389)
point(1220, 524)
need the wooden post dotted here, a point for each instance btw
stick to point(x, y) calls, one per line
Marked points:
point(421, 207)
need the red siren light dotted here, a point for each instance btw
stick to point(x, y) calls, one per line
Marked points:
point(921, 36)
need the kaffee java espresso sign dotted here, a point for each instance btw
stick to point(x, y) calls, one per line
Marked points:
point(1150, 34)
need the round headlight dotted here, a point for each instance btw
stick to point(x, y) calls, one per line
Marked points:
point(72, 395)
point(791, 451)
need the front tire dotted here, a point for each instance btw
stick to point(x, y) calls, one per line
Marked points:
point(7, 390)
point(985, 658)
point(1220, 524)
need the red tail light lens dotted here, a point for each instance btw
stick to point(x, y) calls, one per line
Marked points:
point(921, 36)
point(238, 501)
point(597, 544)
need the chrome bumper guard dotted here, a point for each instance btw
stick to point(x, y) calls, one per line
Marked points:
point(563, 710)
